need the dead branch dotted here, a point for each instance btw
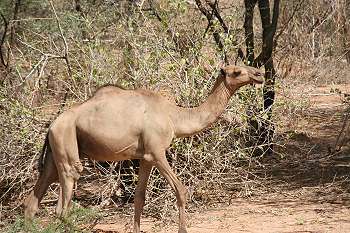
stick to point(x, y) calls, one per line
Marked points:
point(65, 52)
point(214, 6)
point(12, 29)
point(12, 34)
point(286, 24)
point(171, 33)
point(3, 37)
point(210, 18)
point(343, 132)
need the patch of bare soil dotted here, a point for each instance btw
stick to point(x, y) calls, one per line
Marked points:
point(308, 190)
point(286, 215)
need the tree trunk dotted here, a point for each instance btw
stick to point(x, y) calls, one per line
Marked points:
point(249, 31)
point(269, 29)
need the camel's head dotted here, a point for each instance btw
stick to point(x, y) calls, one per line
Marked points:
point(238, 76)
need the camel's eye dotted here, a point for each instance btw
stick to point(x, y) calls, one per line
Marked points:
point(222, 71)
point(236, 73)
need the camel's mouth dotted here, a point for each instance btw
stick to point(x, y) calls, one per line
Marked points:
point(258, 78)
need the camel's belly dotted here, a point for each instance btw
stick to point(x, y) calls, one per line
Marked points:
point(109, 152)
point(107, 133)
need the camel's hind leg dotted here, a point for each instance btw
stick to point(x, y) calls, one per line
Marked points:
point(180, 190)
point(69, 167)
point(48, 176)
point(139, 200)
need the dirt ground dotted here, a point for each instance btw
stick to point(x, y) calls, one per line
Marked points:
point(312, 184)
point(253, 216)
point(306, 190)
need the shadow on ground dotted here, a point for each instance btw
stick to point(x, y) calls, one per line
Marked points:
point(308, 160)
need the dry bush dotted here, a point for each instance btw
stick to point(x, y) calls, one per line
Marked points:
point(157, 46)
point(311, 46)
point(118, 44)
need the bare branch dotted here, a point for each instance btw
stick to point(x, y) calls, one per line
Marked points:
point(170, 31)
point(203, 10)
point(210, 18)
point(63, 38)
point(343, 132)
point(3, 37)
point(214, 6)
point(287, 23)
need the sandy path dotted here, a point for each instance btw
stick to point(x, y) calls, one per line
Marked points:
point(251, 216)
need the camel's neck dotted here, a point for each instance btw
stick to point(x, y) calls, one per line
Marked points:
point(188, 121)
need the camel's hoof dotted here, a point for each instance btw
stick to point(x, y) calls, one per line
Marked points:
point(28, 221)
point(182, 231)
point(29, 215)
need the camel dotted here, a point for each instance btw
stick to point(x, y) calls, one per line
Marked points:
point(117, 124)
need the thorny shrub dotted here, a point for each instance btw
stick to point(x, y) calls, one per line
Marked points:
point(159, 46)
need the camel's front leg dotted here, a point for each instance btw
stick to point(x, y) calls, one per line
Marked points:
point(139, 200)
point(180, 190)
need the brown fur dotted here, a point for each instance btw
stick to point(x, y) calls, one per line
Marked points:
point(118, 124)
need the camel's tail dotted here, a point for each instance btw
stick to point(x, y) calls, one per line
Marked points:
point(44, 151)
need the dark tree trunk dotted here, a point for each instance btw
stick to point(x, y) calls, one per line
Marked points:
point(262, 134)
point(249, 32)
point(269, 29)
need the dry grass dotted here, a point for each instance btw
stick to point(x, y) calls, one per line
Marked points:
point(135, 49)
